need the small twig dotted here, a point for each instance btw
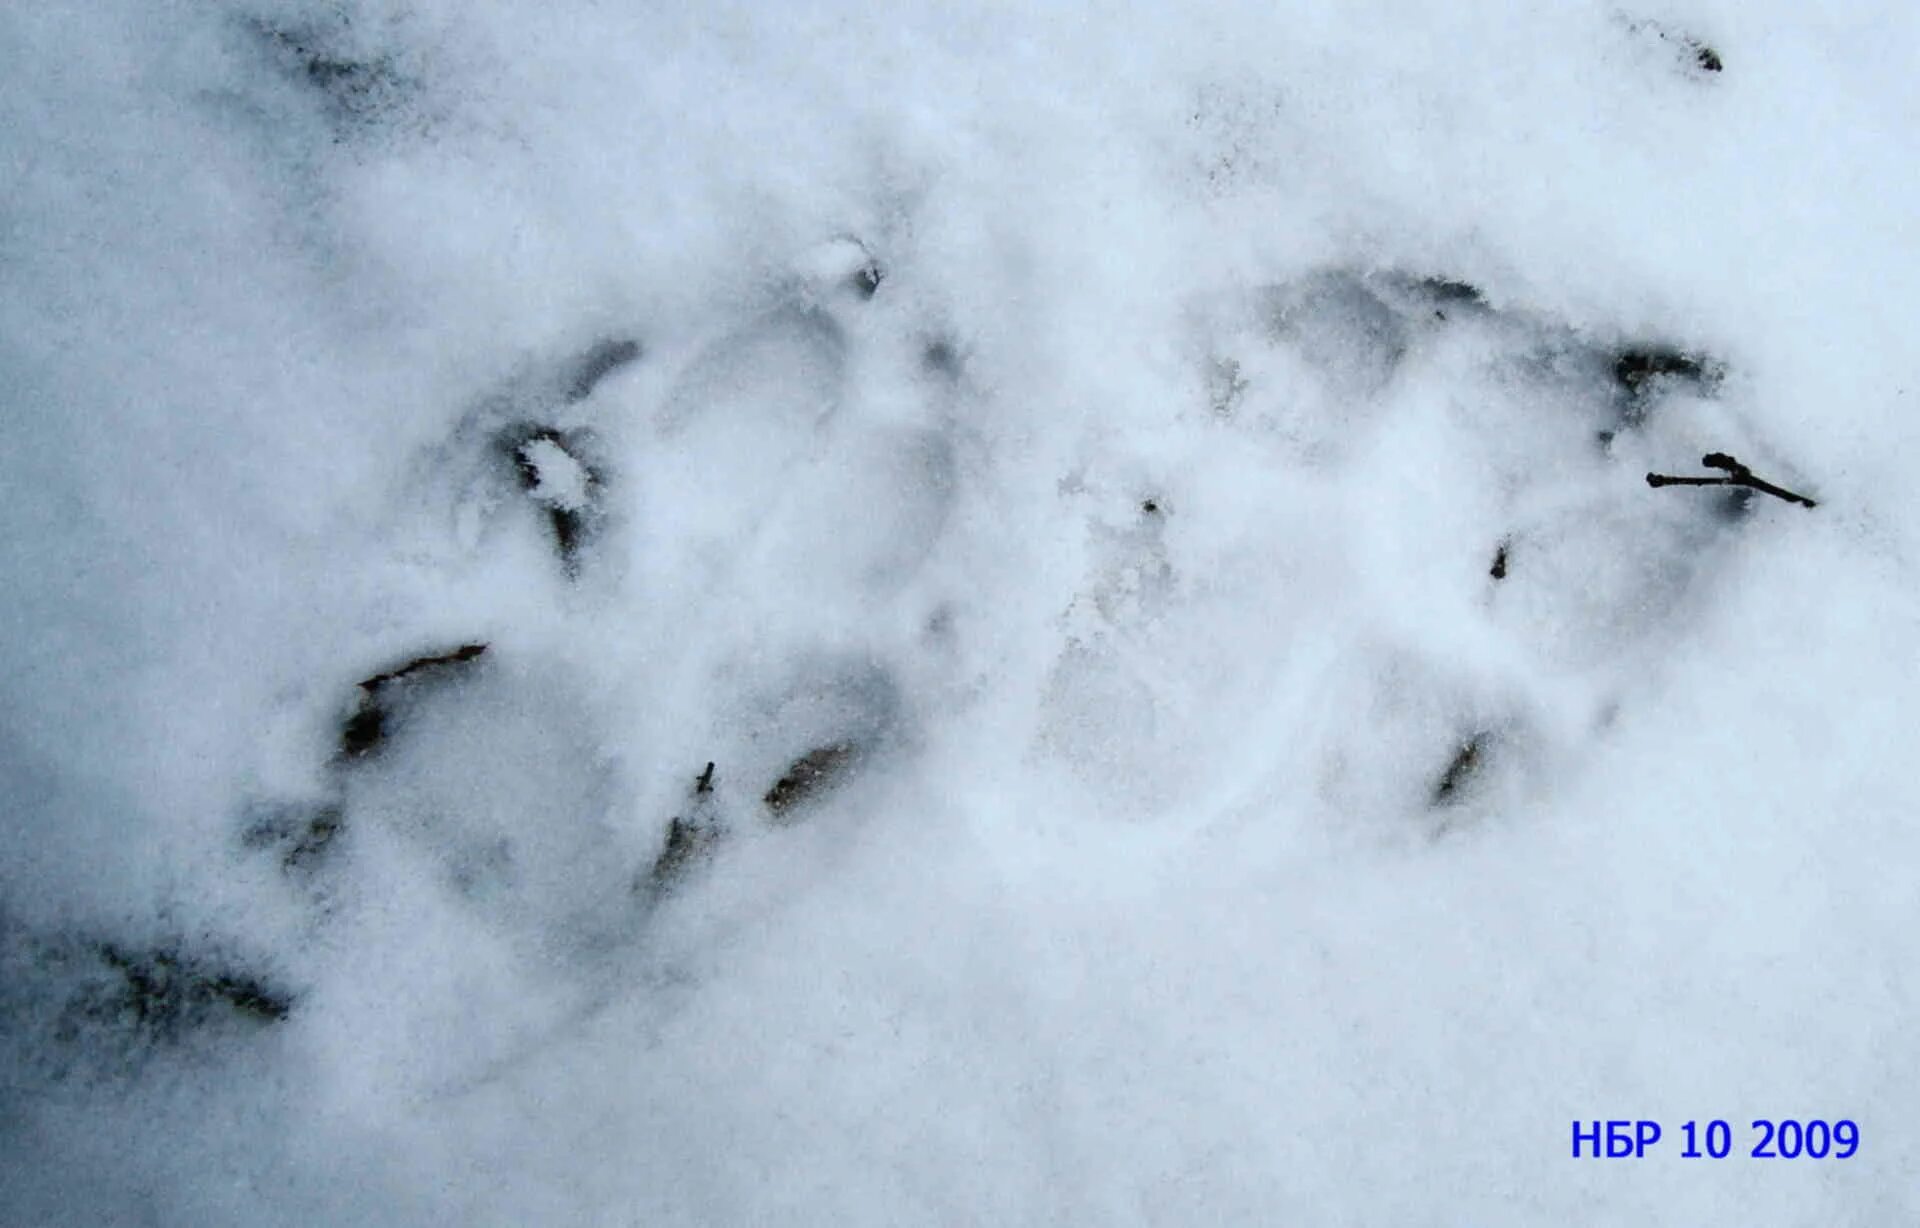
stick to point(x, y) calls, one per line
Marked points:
point(1661, 479)
point(1737, 475)
point(1776, 491)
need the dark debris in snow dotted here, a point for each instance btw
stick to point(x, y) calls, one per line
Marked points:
point(810, 775)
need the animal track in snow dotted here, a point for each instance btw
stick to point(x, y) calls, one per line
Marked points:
point(99, 1006)
point(1406, 379)
point(824, 502)
point(358, 86)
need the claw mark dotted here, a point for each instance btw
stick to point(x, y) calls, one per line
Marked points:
point(161, 990)
point(813, 772)
point(1448, 290)
point(554, 476)
point(689, 840)
point(1634, 369)
point(600, 361)
point(466, 652)
point(305, 838)
point(1445, 292)
point(356, 92)
point(1225, 386)
point(366, 729)
point(1465, 766)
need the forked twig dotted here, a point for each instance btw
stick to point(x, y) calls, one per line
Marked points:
point(1737, 475)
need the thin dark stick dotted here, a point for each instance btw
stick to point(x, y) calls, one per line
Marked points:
point(1775, 491)
point(1737, 475)
point(1661, 479)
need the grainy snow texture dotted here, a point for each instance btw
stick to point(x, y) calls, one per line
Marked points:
point(621, 613)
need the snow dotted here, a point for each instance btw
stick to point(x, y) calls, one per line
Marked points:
point(1051, 462)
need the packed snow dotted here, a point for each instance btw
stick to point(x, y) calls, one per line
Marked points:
point(955, 613)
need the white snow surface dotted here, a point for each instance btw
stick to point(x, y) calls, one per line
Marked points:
point(1045, 417)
